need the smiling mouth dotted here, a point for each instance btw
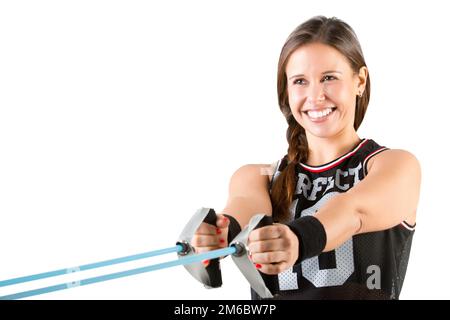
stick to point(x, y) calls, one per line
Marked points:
point(319, 114)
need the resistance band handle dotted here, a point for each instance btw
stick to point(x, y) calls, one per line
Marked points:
point(211, 217)
point(271, 281)
point(213, 268)
point(266, 221)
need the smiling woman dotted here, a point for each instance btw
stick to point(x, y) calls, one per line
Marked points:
point(323, 90)
point(344, 206)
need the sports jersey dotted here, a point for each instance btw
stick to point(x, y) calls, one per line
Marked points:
point(367, 266)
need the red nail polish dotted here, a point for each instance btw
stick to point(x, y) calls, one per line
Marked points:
point(222, 241)
point(218, 231)
point(258, 266)
point(205, 262)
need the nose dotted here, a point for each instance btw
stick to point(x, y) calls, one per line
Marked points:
point(315, 94)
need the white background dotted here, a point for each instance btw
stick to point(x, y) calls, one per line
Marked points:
point(119, 119)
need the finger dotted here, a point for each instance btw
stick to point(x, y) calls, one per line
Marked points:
point(206, 228)
point(268, 245)
point(204, 249)
point(206, 262)
point(269, 257)
point(273, 269)
point(222, 221)
point(205, 240)
point(222, 242)
point(265, 233)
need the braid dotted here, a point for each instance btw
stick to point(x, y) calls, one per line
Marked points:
point(283, 189)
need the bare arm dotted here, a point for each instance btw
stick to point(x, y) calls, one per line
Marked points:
point(273, 248)
point(387, 196)
point(248, 195)
point(249, 192)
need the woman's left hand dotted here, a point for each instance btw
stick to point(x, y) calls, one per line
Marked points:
point(273, 248)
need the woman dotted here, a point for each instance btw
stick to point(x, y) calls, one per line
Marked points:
point(345, 207)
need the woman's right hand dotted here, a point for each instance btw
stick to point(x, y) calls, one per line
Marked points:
point(209, 237)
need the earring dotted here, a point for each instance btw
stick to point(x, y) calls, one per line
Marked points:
point(360, 94)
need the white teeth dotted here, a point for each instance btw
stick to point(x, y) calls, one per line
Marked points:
point(319, 114)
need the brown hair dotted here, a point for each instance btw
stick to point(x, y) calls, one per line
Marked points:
point(339, 35)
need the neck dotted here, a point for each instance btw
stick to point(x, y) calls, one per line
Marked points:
point(324, 150)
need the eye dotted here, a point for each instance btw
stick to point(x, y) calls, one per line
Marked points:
point(300, 81)
point(328, 78)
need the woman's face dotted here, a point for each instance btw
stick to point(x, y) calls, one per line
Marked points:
point(322, 89)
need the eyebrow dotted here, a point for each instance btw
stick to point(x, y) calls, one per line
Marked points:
point(302, 75)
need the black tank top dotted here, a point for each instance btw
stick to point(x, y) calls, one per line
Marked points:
point(366, 266)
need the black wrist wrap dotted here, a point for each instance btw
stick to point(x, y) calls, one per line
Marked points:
point(311, 236)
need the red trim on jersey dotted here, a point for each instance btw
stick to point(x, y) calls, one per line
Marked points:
point(408, 226)
point(373, 153)
point(370, 156)
point(335, 162)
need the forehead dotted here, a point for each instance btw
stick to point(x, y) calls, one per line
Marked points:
point(316, 58)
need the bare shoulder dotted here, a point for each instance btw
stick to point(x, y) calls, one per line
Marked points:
point(252, 177)
point(395, 159)
point(402, 169)
point(392, 185)
point(249, 192)
point(260, 172)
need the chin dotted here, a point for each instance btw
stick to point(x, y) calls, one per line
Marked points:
point(322, 132)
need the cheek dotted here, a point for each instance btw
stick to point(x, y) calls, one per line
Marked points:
point(341, 95)
point(296, 98)
point(336, 92)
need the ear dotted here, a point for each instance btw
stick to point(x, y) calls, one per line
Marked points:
point(362, 79)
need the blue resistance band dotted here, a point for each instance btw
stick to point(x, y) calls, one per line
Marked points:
point(182, 261)
point(90, 266)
